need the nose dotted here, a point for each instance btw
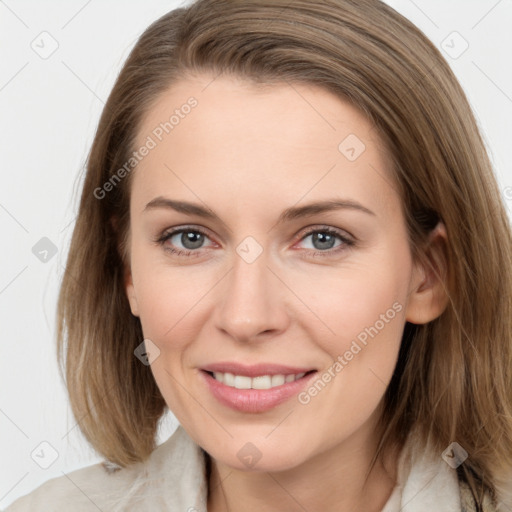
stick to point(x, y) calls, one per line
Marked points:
point(252, 303)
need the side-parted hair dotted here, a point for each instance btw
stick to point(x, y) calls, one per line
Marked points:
point(453, 379)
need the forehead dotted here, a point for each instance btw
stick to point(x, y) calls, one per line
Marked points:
point(285, 140)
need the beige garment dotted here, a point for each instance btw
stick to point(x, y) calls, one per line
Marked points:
point(174, 479)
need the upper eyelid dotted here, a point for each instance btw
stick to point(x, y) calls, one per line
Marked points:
point(319, 227)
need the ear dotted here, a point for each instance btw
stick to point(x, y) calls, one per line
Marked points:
point(130, 291)
point(127, 272)
point(428, 295)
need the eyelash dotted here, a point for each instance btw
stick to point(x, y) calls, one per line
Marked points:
point(166, 235)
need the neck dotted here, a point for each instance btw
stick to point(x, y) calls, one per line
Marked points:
point(338, 479)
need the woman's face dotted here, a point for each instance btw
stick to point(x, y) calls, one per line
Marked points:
point(289, 271)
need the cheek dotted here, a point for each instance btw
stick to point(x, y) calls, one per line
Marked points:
point(349, 306)
point(170, 299)
point(362, 309)
point(365, 309)
point(164, 305)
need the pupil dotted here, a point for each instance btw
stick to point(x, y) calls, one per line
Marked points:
point(325, 240)
point(187, 239)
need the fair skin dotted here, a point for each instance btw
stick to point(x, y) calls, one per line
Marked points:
point(248, 153)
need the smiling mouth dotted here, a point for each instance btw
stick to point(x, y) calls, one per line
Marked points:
point(259, 382)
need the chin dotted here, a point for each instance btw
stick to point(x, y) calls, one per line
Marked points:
point(254, 457)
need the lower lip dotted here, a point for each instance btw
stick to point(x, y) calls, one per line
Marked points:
point(254, 400)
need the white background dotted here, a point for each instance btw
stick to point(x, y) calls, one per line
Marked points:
point(49, 112)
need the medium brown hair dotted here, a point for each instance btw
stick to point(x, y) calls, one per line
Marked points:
point(453, 380)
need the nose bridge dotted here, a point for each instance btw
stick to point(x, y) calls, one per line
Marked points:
point(252, 302)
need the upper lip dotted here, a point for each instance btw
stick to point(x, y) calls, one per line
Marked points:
point(256, 369)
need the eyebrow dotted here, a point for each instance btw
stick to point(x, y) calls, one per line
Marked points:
point(292, 213)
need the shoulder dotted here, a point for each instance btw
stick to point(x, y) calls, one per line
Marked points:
point(82, 490)
point(155, 482)
point(77, 489)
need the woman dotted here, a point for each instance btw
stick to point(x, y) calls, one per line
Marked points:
point(289, 235)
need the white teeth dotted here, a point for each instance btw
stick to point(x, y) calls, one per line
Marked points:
point(242, 382)
point(263, 382)
point(277, 380)
point(229, 379)
point(260, 382)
